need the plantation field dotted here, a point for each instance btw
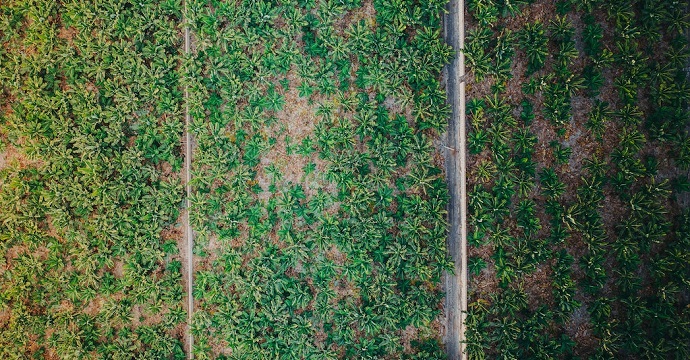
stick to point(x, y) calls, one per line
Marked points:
point(578, 177)
point(317, 199)
point(89, 186)
point(319, 203)
point(266, 179)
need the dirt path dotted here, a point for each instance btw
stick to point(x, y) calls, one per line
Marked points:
point(189, 235)
point(456, 284)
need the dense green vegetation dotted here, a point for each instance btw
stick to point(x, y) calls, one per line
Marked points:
point(318, 206)
point(318, 199)
point(90, 125)
point(578, 118)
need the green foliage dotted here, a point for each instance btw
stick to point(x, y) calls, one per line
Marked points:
point(484, 11)
point(595, 213)
point(534, 41)
point(475, 265)
point(93, 116)
point(319, 209)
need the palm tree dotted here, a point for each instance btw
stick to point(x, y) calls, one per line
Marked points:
point(484, 11)
point(534, 41)
point(598, 117)
point(476, 265)
point(476, 141)
point(478, 60)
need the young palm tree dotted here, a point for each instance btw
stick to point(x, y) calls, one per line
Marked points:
point(534, 42)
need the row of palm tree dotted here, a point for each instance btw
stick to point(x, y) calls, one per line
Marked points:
point(339, 260)
point(528, 215)
point(91, 96)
